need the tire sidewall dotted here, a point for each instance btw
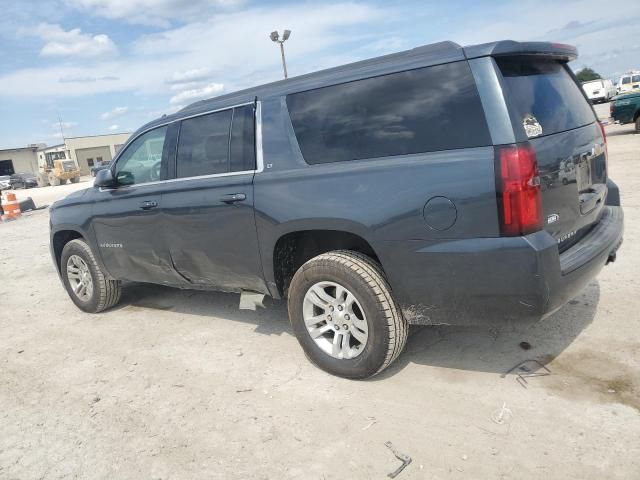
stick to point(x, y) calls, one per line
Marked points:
point(81, 249)
point(372, 358)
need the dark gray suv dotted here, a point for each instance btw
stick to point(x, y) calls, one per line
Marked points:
point(439, 185)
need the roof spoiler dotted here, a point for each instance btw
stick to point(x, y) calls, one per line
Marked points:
point(509, 48)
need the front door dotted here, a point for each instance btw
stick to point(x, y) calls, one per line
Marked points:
point(208, 213)
point(127, 218)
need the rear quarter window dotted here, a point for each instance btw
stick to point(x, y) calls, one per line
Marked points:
point(423, 110)
point(544, 94)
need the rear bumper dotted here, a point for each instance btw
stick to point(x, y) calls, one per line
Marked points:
point(479, 281)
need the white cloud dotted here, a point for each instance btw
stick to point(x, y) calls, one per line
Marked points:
point(189, 76)
point(153, 12)
point(114, 127)
point(86, 79)
point(194, 94)
point(71, 43)
point(116, 112)
point(228, 48)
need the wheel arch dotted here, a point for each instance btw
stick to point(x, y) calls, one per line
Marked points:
point(59, 239)
point(295, 247)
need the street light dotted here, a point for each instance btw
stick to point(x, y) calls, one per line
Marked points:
point(275, 37)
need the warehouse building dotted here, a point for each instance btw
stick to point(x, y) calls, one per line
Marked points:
point(86, 151)
point(19, 160)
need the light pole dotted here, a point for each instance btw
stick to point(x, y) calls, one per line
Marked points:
point(276, 38)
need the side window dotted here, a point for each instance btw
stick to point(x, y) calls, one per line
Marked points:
point(141, 161)
point(242, 145)
point(90, 162)
point(422, 110)
point(203, 145)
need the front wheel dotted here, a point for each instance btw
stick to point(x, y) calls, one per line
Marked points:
point(87, 286)
point(344, 315)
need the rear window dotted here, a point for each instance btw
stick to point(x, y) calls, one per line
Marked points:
point(415, 111)
point(543, 96)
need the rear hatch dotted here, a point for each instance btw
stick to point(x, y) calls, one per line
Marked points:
point(549, 110)
point(594, 88)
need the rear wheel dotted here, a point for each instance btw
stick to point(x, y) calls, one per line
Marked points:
point(87, 286)
point(344, 315)
point(638, 124)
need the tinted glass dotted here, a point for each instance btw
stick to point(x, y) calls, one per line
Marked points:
point(243, 153)
point(423, 110)
point(635, 78)
point(626, 80)
point(141, 161)
point(203, 145)
point(544, 93)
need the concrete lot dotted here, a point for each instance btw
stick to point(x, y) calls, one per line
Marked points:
point(180, 384)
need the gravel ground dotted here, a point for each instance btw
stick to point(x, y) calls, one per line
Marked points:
point(182, 385)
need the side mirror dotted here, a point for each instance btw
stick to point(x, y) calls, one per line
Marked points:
point(104, 178)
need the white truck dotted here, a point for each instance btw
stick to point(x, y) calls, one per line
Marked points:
point(628, 82)
point(600, 90)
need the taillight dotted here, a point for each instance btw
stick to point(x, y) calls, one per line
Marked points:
point(518, 189)
point(606, 149)
point(604, 135)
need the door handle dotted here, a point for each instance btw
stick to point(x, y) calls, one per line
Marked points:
point(233, 198)
point(148, 204)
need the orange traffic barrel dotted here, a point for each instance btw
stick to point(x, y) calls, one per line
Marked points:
point(11, 207)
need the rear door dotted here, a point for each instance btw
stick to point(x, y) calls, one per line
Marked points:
point(210, 228)
point(549, 110)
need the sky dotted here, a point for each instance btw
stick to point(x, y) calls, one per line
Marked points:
point(103, 66)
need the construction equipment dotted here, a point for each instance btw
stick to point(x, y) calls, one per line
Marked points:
point(56, 169)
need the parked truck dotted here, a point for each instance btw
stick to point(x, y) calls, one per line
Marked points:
point(55, 169)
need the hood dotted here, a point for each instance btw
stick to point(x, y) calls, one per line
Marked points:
point(70, 199)
point(624, 95)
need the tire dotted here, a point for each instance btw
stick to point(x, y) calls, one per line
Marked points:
point(53, 180)
point(43, 180)
point(363, 278)
point(74, 179)
point(105, 293)
point(638, 124)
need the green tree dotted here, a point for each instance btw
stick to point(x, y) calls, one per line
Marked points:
point(587, 74)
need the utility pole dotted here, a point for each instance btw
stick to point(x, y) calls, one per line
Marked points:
point(61, 130)
point(275, 37)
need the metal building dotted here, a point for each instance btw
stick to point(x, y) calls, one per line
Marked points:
point(86, 151)
point(19, 160)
